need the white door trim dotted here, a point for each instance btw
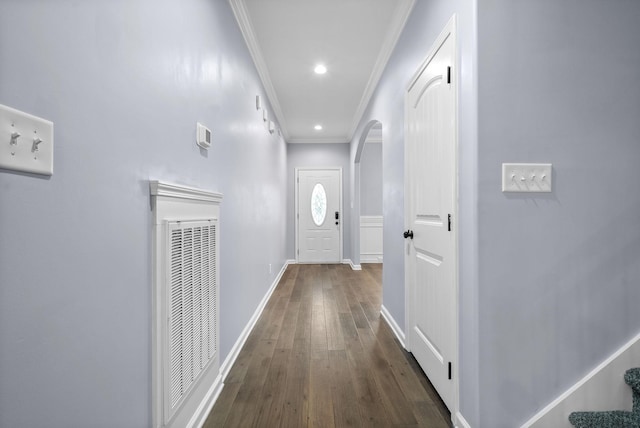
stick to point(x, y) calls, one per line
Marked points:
point(295, 208)
point(449, 31)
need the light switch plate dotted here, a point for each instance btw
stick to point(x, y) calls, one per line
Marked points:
point(526, 177)
point(26, 142)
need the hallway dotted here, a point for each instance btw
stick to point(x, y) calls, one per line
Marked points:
point(321, 355)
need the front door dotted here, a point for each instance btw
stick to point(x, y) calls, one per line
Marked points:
point(431, 257)
point(319, 215)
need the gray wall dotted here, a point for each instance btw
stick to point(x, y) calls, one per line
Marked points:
point(313, 155)
point(548, 284)
point(124, 82)
point(387, 106)
point(371, 179)
point(559, 273)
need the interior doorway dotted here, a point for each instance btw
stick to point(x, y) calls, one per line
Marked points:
point(367, 231)
point(431, 211)
point(370, 190)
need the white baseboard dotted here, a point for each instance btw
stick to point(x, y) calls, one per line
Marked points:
point(203, 410)
point(205, 407)
point(350, 262)
point(225, 367)
point(459, 421)
point(601, 389)
point(393, 325)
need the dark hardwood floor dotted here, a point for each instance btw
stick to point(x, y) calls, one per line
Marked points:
point(322, 356)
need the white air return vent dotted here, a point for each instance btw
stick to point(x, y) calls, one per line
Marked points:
point(192, 303)
point(186, 363)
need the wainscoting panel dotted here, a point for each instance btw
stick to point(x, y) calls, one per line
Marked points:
point(370, 239)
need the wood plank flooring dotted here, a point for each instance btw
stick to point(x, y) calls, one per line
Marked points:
point(322, 356)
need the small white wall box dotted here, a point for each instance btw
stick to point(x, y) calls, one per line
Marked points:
point(272, 127)
point(203, 136)
point(258, 102)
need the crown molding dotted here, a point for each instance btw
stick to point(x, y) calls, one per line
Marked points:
point(374, 134)
point(246, 28)
point(398, 22)
point(373, 140)
point(336, 140)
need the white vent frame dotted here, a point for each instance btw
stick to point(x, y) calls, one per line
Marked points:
point(178, 207)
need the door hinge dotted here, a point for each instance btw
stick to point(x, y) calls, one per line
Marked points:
point(449, 223)
point(450, 375)
point(449, 75)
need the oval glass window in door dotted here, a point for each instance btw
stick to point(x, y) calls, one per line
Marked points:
point(318, 204)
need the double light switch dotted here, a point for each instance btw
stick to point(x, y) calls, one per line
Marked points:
point(26, 142)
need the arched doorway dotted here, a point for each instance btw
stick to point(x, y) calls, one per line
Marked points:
point(368, 195)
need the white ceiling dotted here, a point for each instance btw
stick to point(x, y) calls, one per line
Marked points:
point(353, 38)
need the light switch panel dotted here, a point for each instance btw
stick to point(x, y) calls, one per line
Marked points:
point(26, 142)
point(526, 177)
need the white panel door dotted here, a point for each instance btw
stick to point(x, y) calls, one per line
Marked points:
point(319, 216)
point(431, 262)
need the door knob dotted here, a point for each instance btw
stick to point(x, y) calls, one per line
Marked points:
point(408, 234)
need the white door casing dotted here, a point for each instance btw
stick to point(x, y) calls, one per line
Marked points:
point(431, 257)
point(318, 236)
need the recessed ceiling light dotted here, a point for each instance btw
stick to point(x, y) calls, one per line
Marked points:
point(320, 69)
point(318, 127)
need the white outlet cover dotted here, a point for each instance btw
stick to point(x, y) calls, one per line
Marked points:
point(527, 177)
point(22, 153)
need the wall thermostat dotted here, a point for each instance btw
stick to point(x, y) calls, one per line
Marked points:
point(203, 136)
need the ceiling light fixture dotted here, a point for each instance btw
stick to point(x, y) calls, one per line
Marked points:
point(318, 127)
point(320, 69)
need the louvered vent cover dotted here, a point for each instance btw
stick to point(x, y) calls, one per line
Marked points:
point(192, 302)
